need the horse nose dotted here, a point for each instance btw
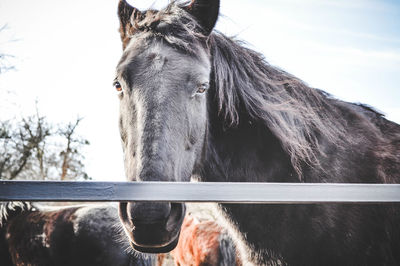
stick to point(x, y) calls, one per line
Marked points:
point(145, 213)
point(152, 227)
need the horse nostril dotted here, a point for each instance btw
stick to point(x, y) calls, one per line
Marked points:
point(148, 212)
point(123, 215)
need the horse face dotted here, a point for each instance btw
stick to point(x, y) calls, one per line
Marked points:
point(163, 118)
point(162, 126)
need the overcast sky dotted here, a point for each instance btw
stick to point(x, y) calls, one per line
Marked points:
point(66, 52)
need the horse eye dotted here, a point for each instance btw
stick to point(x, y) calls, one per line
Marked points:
point(117, 86)
point(202, 88)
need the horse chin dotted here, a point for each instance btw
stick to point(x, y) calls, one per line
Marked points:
point(159, 237)
point(159, 249)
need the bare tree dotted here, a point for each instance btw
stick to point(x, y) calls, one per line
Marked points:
point(32, 148)
point(71, 156)
point(20, 143)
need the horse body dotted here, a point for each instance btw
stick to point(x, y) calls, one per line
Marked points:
point(197, 103)
point(328, 234)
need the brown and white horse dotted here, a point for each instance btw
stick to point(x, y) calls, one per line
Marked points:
point(92, 235)
point(66, 236)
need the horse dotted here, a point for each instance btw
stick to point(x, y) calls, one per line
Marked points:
point(195, 103)
point(204, 242)
point(32, 234)
point(75, 235)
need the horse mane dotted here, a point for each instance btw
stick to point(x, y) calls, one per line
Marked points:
point(295, 113)
point(245, 83)
point(8, 210)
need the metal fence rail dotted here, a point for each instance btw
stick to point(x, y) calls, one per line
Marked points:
point(271, 193)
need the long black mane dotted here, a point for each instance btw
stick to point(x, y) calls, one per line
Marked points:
point(250, 89)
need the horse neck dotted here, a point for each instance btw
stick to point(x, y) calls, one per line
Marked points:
point(246, 153)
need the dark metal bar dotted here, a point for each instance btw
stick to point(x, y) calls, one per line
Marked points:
point(271, 193)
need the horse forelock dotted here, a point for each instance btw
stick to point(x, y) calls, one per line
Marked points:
point(173, 25)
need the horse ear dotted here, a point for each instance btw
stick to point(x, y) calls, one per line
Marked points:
point(206, 13)
point(128, 17)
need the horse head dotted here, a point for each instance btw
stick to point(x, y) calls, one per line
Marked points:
point(162, 80)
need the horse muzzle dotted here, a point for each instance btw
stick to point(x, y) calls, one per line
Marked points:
point(152, 227)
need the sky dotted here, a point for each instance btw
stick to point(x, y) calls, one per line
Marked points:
point(65, 53)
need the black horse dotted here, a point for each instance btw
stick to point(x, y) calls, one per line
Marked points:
point(72, 236)
point(194, 102)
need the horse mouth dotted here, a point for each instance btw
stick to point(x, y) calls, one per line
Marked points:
point(156, 249)
point(156, 236)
